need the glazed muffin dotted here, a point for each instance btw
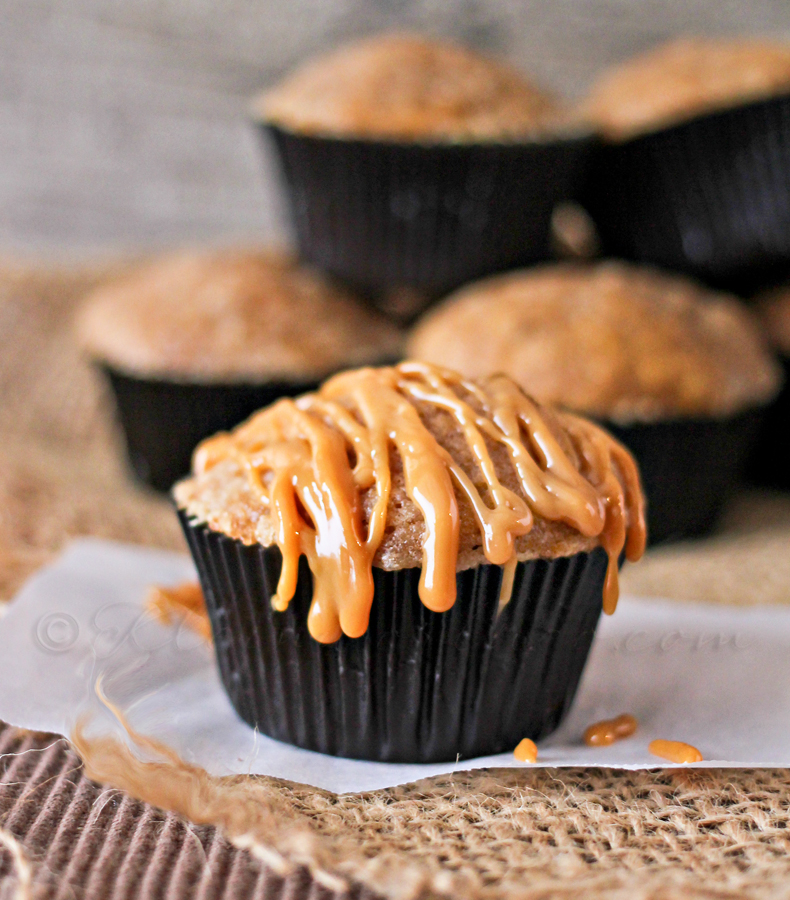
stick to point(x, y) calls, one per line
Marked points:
point(414, 165)
point(393, 571)
point(196, 341)
point(696, 174)
point(769, 462)
point(679, 373)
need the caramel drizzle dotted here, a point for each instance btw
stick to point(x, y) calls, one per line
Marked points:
point(311, 458)
point(506, 587)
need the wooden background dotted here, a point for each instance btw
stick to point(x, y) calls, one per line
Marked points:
point(122, 122)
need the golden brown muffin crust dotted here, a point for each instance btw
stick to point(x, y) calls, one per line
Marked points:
point(773, 310)
point(684, 78)
point(405, 87)
point(232, 316)
point(223, 499)
point(614, 341)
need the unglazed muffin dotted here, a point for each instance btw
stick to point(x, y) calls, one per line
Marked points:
point(672, 368)
point(196, 341)
point(769, 464)
point(684, 78)
point(415, 164)
point(696, 174)
point(452, 577)
point(401, 87)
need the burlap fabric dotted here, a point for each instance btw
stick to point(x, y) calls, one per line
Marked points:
point(77, 839)
point(520, 833)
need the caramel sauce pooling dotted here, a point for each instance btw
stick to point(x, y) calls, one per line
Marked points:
point(309, 459)
point(606, 732)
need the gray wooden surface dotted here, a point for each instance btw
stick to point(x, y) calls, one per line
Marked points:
point(122, 122)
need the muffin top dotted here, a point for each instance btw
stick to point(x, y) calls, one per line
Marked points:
point(685, 78)
point(232, 316)
point(773, 310)
point(618, 342)
point(404, 87)
point(412, 466)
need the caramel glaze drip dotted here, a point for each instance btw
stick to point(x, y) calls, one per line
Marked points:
point(311, 458)
point(605, 733)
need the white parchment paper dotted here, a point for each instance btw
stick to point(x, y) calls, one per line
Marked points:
point(714, 677)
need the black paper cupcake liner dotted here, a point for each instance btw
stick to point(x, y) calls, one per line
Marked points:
point(418, 686)
point(689, 468)
point(406, 223)
point(709, 197)
point(769, 464)
point(163, 421)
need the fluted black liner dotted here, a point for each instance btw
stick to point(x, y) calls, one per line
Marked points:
point(386, 216)
point(163, 421)
point(769, 465)
point(709, 197)
point(419, 686)
point(689, 468)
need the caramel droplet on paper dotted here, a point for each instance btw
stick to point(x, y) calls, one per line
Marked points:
point(604, 733)
point(526, 752)
point(675, 751)
point(181, 603)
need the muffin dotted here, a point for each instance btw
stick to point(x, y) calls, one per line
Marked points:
point(769, 462)
point(408, 566)
point(677, 372)
point(415, 165)
point(695, 174)
point(196, 341)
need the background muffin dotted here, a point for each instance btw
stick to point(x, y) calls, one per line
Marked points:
point(196, 341)
point(407, 88)
point(414, 165)
point(684, 78)
point(697, 174)
point(676, 371)
point(472, 641)
point(770, 462)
